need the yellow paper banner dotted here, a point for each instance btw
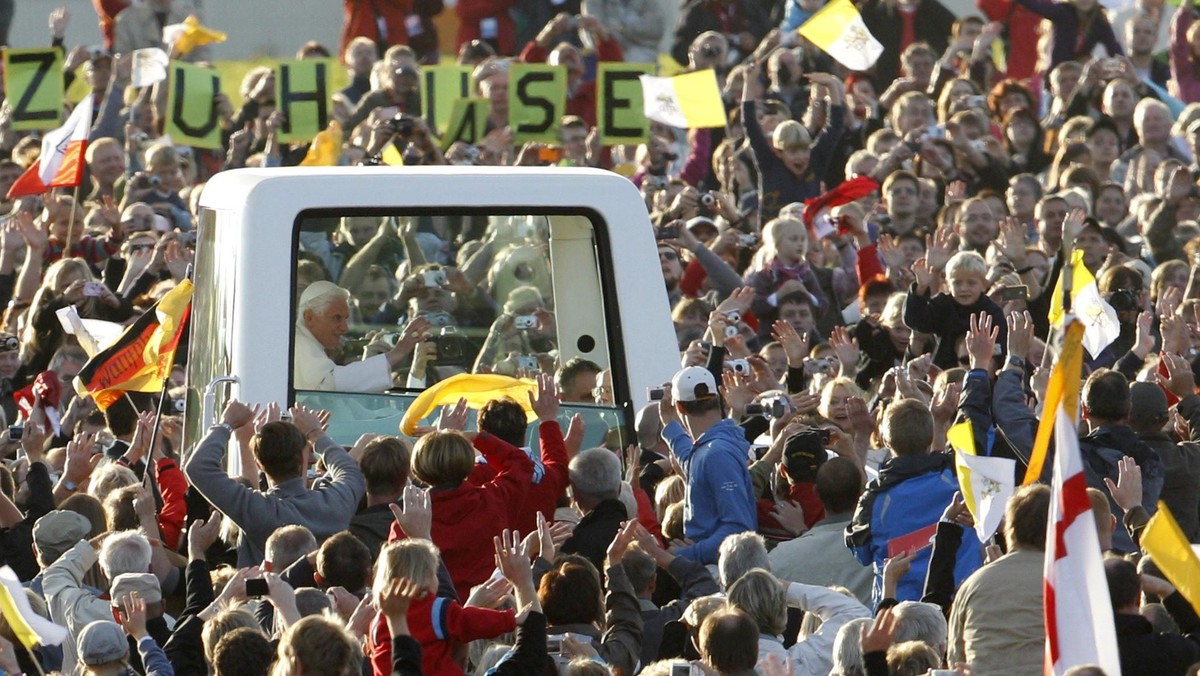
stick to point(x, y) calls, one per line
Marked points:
point(33, 85)
point(537, 98)
point(192, 118)
point(441, 86)
point(302, 91)
point(619, 106)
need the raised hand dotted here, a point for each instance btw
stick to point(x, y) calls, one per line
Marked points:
point(545, 404)
point(981, 341)
point(454, 417)
point(878, 637)
point(1126, 491)
point(939, 247)
point(924, 274)
point(846, 349)
point(1020, 334)
point(1179, 380)
point(416, 515)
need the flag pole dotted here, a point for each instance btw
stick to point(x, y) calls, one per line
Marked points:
point(71, 223)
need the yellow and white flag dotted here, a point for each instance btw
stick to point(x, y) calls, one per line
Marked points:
point(1101, 325)
point(691, 101)
point(1173, 554)
point(986, 483)
point(149, 66)
point(186, 36)
point(31, 629)
point(838, 29)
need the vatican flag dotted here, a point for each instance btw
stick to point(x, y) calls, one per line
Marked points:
point(690, 101)
point(839, 30)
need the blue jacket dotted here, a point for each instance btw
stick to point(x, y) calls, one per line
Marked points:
point(720, 499)
point(910, 494)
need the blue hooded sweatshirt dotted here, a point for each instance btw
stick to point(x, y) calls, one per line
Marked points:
point(719, 499)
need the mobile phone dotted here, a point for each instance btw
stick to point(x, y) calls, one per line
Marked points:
point(434, 277)
point(1020, 292)
point(667, 232)
point(93, 289)
point(554, 644)
point(527, 363)
point(256, 587)
point(15, 432)
point(654, 393)
point(682, 670)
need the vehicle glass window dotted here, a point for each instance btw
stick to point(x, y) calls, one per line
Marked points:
point(389, 304)
point(207, 359)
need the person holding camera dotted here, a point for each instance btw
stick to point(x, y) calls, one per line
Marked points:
point(550, 46)
point(399, 87)
point(740, 22)
point(321, 322)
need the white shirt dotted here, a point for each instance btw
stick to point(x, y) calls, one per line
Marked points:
point(314, 370)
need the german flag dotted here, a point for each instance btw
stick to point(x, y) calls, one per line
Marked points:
point(140, 360)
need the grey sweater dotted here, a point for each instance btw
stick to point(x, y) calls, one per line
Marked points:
point(325, 509)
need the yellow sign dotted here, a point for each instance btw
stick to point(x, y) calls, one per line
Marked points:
point(619, 106)
point(302, 91)
point(537, 98)
point(441, 87)
point(191, 114)
point(468, 120)
point(33, 85)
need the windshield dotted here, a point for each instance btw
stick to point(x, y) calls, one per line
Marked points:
point(391, 304)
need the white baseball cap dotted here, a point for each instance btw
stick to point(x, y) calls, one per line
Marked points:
point(692, 384)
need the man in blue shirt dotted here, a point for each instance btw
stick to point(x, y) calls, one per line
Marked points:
point(714, 454)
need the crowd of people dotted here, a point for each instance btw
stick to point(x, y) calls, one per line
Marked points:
point(854, 262)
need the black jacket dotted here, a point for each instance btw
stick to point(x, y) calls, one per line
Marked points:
point(1144, 652)
point(698, 16)
point(931, 24)
point(1100, 451)
point(596, 531)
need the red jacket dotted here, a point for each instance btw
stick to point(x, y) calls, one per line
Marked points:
point(361, 18)
point(1022, 30)
point(583, 102)
point(107, 11)
point(172, 485)
point(439, 625)
point(467, 517)
point(472, 14)
point(542, 496)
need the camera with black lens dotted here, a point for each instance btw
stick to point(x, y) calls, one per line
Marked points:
point(1123, 300)
point(708, 200)
point(401, 125)
point(709, 50)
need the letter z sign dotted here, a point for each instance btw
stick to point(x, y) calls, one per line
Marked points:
point(33, 85)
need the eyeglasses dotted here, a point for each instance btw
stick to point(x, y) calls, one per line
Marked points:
point(669, 255)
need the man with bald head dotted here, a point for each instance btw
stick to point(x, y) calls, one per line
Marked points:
point(321, 321)
point(106, 165)
point(655, 454)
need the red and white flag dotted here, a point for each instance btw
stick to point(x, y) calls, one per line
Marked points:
point(1079, 615)
point(61, 163)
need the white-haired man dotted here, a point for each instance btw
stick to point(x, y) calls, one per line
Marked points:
point(74, 606)
point(321, 321)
